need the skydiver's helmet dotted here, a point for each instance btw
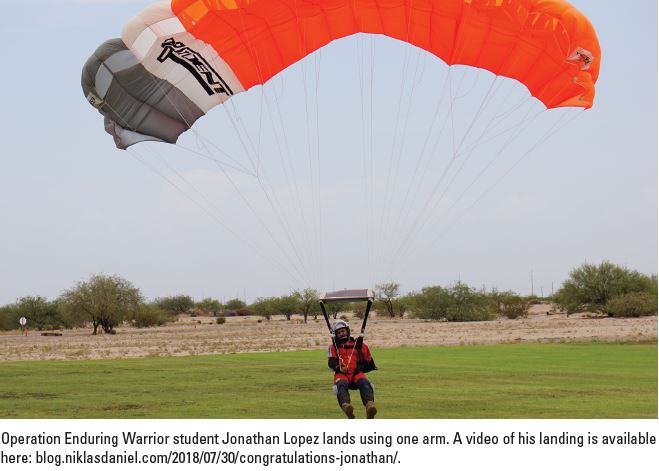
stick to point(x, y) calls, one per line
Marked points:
point(344, 337)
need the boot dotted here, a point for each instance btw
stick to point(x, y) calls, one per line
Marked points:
point(348, 409)
point(371, 410)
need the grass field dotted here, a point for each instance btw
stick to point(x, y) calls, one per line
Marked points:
point(595, 380)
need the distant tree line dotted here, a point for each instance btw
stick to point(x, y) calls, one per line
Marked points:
point(105, 302)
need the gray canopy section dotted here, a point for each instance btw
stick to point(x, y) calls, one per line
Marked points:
point(137, 105)
point(347, 295)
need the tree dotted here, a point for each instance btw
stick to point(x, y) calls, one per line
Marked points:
point(209, 304)
point(333, 309)
point(457, 303)
point(287, 305)
point(103, 300)
point(308, 302)
point(234, 304)
point(509, 304)
point(175, 304)
point(631, 305)
point(39, 312)
point(589, 287)
point(8, 319)
point(386, 294)
point(263, 307)
point(149, 315)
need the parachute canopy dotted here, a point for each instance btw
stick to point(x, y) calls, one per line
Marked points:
point(177, 59)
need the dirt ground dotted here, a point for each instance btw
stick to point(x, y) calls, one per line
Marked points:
point(202, 336)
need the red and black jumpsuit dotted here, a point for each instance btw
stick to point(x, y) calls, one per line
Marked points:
point(357, 357)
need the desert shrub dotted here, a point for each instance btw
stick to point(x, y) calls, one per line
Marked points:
point(632, 305)
point(344, 318)
point(209, 304)
point(457, 303)
point(235, 304)
point(357, 310)
point(264, 307)
point(149, 315)
point(512, 306)
point(590, 287)
point(40, 313)
point(220, 320)
point(175, 304)
point(8, 319)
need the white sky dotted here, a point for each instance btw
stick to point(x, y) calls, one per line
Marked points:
point(72, 205)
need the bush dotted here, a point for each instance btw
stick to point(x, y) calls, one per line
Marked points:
point(40, 313)
point(357, 310)
point(8, 319)
point(220, 320)
point(457, 303)
point(175, 304)
point(590, 287)
point(512, 306)
point(149, 315)
point(632, 305)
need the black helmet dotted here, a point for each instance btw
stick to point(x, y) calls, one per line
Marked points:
point(338, 325)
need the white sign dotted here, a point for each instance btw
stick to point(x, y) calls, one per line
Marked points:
point(22, 321)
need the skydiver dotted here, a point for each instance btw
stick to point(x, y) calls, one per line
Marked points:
point(349, 365)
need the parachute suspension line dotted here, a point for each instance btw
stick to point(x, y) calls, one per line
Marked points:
point(271, 197)
point(403, 212)
point(557, 127)
point(287, 166)
point(513, 137)
point(258, 147)
point(392, 192)
point(414, 227)
point(314, 179)
point(448, 118)
point(371, 203)
point(200, 138)
point(239, 134)
point(316, 220)
point(317, 62)
point(264, 225)
point(270, 200)
point(246, 240)
point(360, 66)
point(457, 152)
point(405, 249)
point(464, 162)
point(303, 277)
point(380, 223)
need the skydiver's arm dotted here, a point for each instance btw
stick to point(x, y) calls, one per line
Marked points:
point(333, 364)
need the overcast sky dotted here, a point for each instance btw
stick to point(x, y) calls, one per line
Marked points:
point(509, 212)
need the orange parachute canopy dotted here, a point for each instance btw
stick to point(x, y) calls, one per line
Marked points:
point(547, 45)
point(178, 59)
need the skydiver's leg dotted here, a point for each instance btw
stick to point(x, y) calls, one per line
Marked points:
point(342, 394)
point(343, 397)
point(365, 390)
point(368, 396)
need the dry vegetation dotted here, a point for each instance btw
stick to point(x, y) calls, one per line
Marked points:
point(201, 335)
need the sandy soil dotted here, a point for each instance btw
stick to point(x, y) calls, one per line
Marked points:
point(201, 336)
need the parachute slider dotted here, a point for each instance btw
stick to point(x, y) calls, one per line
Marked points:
point(347, 296)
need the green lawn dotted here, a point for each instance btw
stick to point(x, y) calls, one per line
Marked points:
point(595, 380)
